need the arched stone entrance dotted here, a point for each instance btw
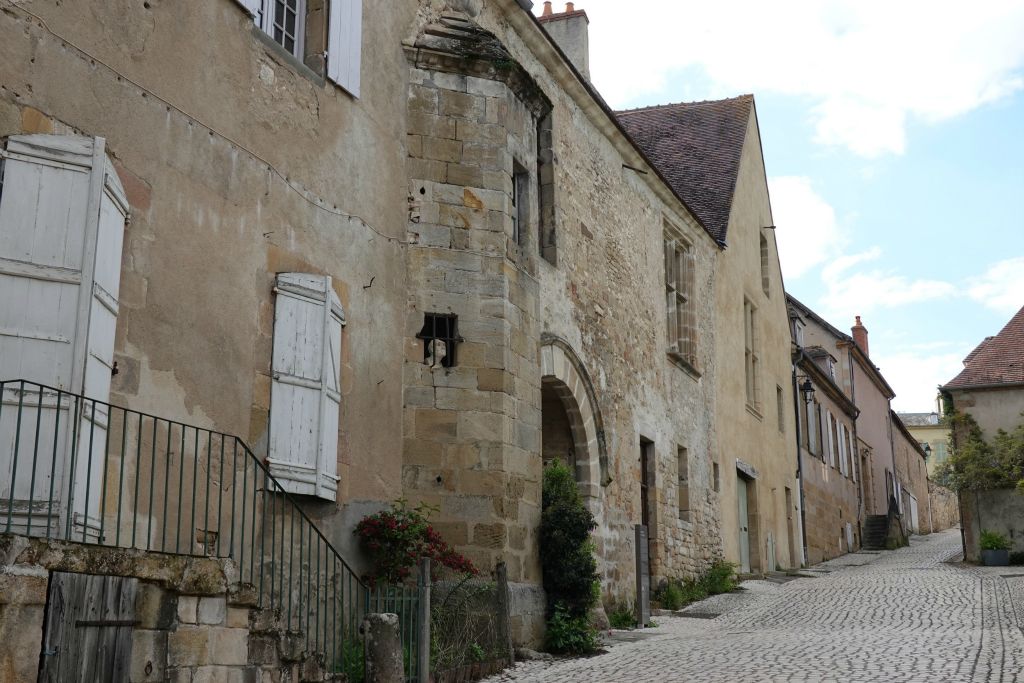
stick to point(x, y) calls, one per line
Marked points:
point(571, 421)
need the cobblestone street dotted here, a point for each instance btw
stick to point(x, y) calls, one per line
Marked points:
point(903, 616)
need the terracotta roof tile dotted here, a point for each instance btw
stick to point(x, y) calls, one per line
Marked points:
point(697, 146)
point(997, 360)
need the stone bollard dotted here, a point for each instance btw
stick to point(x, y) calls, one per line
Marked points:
point(383, 649)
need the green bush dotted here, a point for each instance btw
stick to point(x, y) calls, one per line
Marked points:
point(567, 561)
point(993, 540)
point(622, 616)
point(569, 634)
point(720, 578)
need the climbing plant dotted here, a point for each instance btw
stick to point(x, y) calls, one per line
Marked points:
point(976, 464)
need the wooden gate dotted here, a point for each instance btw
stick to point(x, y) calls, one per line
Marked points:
point(89, 621)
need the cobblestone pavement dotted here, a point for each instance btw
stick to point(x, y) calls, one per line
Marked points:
point(907, 616)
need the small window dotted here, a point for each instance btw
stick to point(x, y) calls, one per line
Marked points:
point(285, 22)
point(520, 203)
point(683, 458)
point(752, 358)
point(716, 477)
point(440, 335)
point(832, 368)
point(798, 332)
point(765, 277)
point(547, 242)
point(780, 403)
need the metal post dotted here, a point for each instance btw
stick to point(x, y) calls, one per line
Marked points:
point(643, 578)
point(423, 623)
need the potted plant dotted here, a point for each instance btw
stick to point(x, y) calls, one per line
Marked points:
point(995, 549)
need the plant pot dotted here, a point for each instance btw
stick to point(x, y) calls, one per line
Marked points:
point(995, 558)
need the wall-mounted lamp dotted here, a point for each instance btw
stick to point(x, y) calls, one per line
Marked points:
point(807, 389)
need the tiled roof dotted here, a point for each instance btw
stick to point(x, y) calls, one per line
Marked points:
point(919, 419)
point(997, 360)
point(697, 146)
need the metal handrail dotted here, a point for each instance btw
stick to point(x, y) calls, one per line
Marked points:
point(90, 446)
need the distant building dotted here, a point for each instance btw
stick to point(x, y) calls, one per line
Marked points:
point(929, 429)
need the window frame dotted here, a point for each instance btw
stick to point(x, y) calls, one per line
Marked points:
point(752, 356)
point(679, 297)
point(266, 20)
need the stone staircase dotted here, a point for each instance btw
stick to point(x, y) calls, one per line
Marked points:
point(876, 531)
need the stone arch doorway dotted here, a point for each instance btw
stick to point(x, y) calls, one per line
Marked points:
point(572, 428)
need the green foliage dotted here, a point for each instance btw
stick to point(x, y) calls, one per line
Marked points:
point(397, 538)
point(993, 540)
point(977, 465)
point(622, 616)
point(476, 653)
point(351, 660)
point(720, 578)
point(675, 594)
point(569, 634)
point(566, 551)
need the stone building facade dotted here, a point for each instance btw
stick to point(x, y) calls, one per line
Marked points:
point(713, 151)
point(502, 273)
point(829, 481)
point(539, 243)
point(912, 475)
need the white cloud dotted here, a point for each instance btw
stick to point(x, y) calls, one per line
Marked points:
point(915, 374)
point(808, 233)
point(1001, 287)
point(866, 67)
point(848, 293)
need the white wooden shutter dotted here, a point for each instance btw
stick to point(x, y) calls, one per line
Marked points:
point(305, 397)
point(62, 219)
point(345, 43)
point(842, 447)
point(831, 442)
point(253, 7)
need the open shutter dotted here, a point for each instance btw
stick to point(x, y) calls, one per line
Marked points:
point(62, 218)
point(305, 397)
point(253, 7)
point(831, 443)
point(670, 296)
point(345, 43)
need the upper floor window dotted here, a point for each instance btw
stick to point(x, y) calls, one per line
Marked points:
point(752, 356)
point(680, 306)
point(339, 58)
point(765, 279)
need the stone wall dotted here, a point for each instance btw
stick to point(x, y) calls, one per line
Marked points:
point(831, 502)
point(945, 507)
point(193, 622)
point(1001, 510)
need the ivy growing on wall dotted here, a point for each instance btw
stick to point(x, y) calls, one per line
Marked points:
point(979, 465)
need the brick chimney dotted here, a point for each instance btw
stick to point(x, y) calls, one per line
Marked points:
point(860, 335)
point(571, 31)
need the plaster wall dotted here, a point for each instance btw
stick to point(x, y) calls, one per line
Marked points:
point(999, 510)
point(239, 162)
point(993, 409)
point(751, 433)
point(937, 437)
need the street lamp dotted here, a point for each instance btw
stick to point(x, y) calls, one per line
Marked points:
point(807, 389)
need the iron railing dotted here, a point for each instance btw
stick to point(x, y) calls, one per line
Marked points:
point(77, 469)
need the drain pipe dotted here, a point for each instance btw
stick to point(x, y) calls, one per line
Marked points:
point(799, 457)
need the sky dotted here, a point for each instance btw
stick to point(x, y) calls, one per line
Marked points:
point(893, 135)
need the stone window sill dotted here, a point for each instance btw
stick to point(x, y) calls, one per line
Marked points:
point(752, 409)
point(683, 365)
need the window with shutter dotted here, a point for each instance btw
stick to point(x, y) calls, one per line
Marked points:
point(345, 43)
point(305, 398)
point(62, 220)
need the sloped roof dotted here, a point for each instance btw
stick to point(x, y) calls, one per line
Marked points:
point(697, 146)
point(997, 360)
point(919, 419)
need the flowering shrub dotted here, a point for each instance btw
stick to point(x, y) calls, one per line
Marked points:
point(395, 539)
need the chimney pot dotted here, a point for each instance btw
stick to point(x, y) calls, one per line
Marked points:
point(570, 7)
point(860, 336)
point(547, 9)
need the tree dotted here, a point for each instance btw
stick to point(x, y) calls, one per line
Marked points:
point(979, 465)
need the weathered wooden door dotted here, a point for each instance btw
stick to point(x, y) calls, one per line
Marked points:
point(744, 521)
point(88, 631)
